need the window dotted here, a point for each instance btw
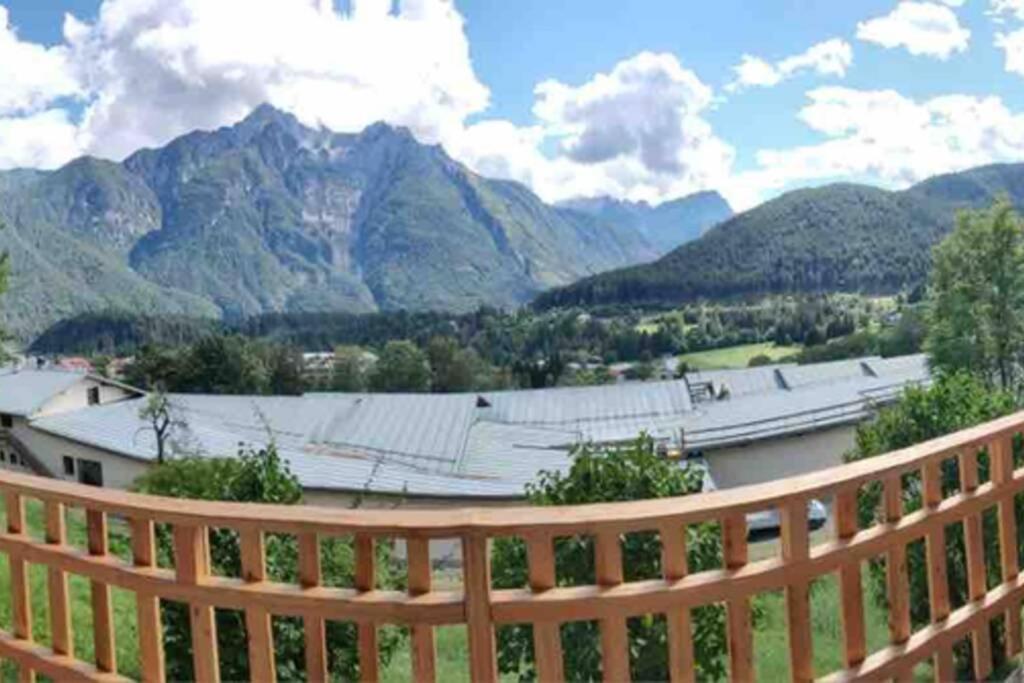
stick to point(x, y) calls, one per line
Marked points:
point(69, 466)
point(6, 420)
point(90, 472)
point(94, 396)
point(3, 457)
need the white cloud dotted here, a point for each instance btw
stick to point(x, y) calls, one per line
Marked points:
point(43, 139)
point(895, 139)
point(149, 70)
point(1003, 8)
point(637, 131)
point(923, 28)
point(828, 58)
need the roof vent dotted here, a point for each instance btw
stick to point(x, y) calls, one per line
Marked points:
point(482, 402)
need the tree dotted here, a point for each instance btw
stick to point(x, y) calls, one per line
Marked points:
point(158, 414)
point(953, 403)
point(257, 475)
point(452, 369)
point(225, 364)
point(401, 367)
point(976, 299)
point(349, 372)
point(632, 473)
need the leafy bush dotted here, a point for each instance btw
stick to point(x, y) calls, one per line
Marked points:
point(955, 402)
point(632, 473)
point(256, 476)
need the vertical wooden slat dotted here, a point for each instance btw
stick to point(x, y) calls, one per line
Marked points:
point(21, 602)
point(366, 568)
point(897, 581)
point(102, 613)
point(547, 638)
point(739, 634)
point(257, 619)
point(57, 583)
point(614, 636)
point(681, 667)
point(192, 561)
point(476, 561)
point(1001, 452)
point(795, 548)
point(850, 589)
point(938, 583)
point(314, 628)
point(974, 547)
point(424, 667)
point(151, 648)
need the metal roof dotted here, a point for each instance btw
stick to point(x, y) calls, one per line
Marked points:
point(24, 392)
point(742, 381)
point(491, 444)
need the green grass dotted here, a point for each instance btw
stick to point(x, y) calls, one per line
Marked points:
point(770, 638)
point(737, 356)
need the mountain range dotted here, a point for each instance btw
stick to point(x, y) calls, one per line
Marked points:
point(841, 237)
point(271, 215)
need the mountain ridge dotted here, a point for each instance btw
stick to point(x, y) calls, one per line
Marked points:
point(842, 237)
point(270, 215)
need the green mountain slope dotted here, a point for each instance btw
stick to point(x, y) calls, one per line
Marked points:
point(269, 215)
point(836, 238)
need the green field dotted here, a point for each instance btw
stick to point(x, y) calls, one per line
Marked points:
point(771, 651)
point(737, 356)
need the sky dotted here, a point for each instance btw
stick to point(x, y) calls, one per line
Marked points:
point(643, 100)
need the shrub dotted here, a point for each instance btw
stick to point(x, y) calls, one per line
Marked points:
point(255, 476)
point(632, 473)
point(955, 402)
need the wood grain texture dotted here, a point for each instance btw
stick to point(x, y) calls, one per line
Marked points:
point(424, 648)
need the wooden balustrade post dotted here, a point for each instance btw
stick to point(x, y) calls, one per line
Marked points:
point(192, 563)
point(102, 612)
point(314, 628)
point(681, 665)
point(151, 646)
point(739, 633)
point(57, 584)
point(897, 581)
point(851, 591)
point(795, 549)
point(424, 654)
point(974, 548)
point(938, 582)
point(547, 637)
point(614, 635)
point(476, 562)
point(366, 567)
point(21, 600)
point(257, 619)
point(1001, 454)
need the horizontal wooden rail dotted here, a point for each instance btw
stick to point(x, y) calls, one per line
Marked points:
point(542, 601)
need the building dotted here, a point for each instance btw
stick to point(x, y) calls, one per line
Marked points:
point(749, 425)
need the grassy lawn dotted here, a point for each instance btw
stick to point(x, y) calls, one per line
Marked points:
point(770, 639)
point(737, 356)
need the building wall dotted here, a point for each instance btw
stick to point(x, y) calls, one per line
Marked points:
point(77, 397)
point(769, 460)
point(118, 471)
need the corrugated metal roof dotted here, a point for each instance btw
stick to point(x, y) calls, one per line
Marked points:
point(797, 376)
point(575, 405)
point(23, 392)
point(445, 445)
point(742, 381)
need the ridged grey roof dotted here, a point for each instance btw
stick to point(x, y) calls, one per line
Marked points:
point(23, 392)
point(491, 444)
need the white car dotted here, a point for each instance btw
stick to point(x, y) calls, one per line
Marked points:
point(765, 522)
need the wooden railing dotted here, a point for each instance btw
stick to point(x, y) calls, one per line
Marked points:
point(542, 603)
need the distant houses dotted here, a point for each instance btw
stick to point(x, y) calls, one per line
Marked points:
point(748, 425)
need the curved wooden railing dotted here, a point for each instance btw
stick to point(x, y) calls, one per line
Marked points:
point(542, 603)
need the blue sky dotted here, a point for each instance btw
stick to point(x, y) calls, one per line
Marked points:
point(644, 100)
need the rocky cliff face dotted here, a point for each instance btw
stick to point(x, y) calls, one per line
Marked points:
point(270, 215)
